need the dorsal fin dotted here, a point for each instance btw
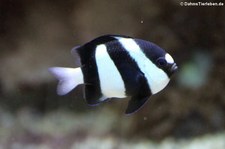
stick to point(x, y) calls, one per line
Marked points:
point(76, 56)
point(97, 41)
point(106, 38)
point(122, 36)
point(74, 51)
point(86, 51)
point(102, 39)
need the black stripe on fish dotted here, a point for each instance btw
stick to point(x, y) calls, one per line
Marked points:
point(152, 51)
point(135, 82)
point(92, 91)
point(86, 53)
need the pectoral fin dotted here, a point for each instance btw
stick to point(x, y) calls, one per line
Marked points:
point(135, 103)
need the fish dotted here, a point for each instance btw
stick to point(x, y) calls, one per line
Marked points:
point(117, 66)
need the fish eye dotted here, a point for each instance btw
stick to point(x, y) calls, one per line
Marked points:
point(161, 62)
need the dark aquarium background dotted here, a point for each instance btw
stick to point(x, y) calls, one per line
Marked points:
point(34, 35)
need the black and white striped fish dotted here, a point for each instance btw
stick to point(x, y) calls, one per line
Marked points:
point(117, 66)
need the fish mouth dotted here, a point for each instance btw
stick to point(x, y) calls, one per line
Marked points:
point(173, 68)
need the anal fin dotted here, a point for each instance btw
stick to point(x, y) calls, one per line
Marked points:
point(135, 103)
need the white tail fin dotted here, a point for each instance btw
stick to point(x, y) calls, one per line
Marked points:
point(68, 78)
